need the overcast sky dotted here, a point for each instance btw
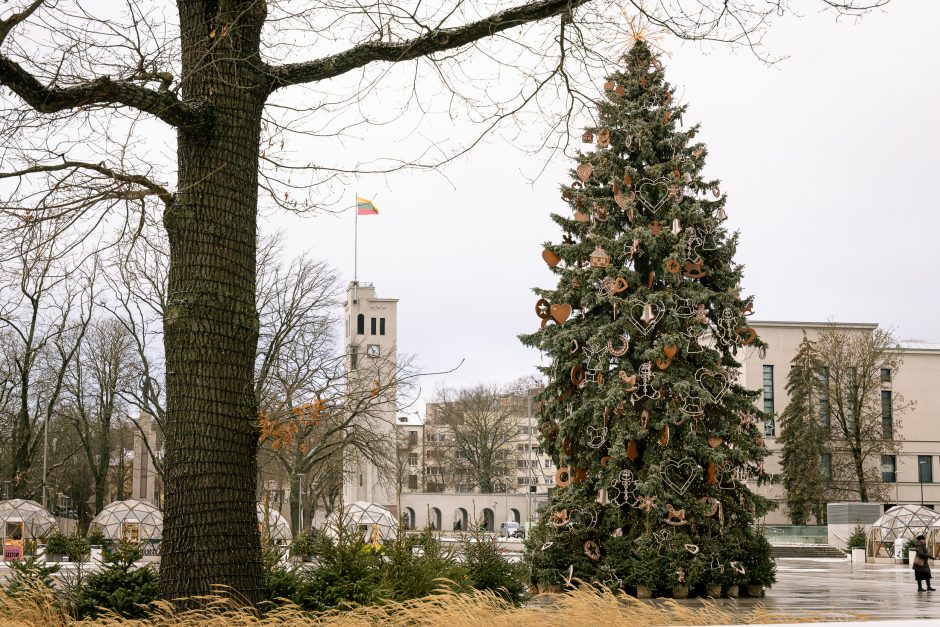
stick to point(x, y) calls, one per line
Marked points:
point(828, 159)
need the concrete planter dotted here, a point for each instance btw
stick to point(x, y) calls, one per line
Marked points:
point(732, 591)
point(642, 592)
point(755, 590)
point(680, 592)
point(858, 556)
point(713, 590)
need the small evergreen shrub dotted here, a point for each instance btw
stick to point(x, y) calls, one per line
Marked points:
point(29, 576)
point(857, 539)
point(304, 544)
point(118, 586)
point(96, 537)
point(488, 570)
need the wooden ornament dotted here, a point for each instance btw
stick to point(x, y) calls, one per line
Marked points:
point(620, 91)
point(580, 216)
point(552, 259)
point(629, 381)
point(567, 446)
point(580, 474)
point(656, 228)
point(664, 436)
point(667, 116)
point(621, 200)
point(746, 335)
point(645, 418)
point(667, 98)
point(603, 138)
point(575, 283)
point(698, 152)
point(542, 308)
point(644, 82)
point(627, 179)
point(563, 480)
point(747, 309)
point(715, 442)
point(632, 452)
point(693, 269)
point(605, 460)
point(712, 474)
point(670, 351)
point(609, 86)
point(592, 550)
point(672, 266)
point(566, 194)
point(587, 137)
point(651, 279)
point(585, 171)
point(676, 518)
point(599, 258)
point(577, 375)
point(560, 312)
point(621, 350)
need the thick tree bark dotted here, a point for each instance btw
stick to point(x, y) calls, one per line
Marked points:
point(211, 534)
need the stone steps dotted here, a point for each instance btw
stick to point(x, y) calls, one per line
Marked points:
point(807, 550)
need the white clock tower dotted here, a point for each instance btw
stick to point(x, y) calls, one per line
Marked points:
point(371, 365)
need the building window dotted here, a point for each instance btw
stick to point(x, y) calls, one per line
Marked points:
point(412, 438)
point(825, 466)
point(412, 482)
point(925, 469)
point(412, 459)
point(372, 326)
point(432, 470)
point(769, 427)
point(824, 398)
point(548, 463)
point(886, 375)
point(360, 324)
point(381, 326)
point(887, 417)
point(889, 466)
point(353, 358)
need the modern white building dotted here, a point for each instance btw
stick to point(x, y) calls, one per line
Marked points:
point(914, 471)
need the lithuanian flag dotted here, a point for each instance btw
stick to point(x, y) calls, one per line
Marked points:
point(365, 207)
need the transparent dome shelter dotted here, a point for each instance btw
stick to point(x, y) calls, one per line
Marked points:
point(901, 521)
point(24, 520)
point(933, 538)
point(131, 520)
point(376, 523)
point(276, 528)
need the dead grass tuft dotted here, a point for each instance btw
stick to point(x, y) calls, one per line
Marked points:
point(478, 609)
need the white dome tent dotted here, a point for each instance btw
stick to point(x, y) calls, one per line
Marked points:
point(901, 521)
point(130, 520)
point(376, 523)
point(22, 520)
point(275, 528)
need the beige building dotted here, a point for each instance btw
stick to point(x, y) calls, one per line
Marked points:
point(914, 471)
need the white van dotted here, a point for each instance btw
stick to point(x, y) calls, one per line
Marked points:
point(511, 529)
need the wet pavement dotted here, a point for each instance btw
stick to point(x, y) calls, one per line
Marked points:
point(834, 589)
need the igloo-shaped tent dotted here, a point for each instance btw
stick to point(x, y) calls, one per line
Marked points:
point(933, 538)
point(901, 521)
point(376, 523)
point(24, 520)
point(276, 528)
point(131, 520)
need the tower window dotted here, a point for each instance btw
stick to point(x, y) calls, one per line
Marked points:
point(373, 326)
point(360, 324)
point(381, 326)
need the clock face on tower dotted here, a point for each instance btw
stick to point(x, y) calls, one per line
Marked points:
point(372, 350)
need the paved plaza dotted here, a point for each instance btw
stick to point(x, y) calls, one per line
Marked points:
point(837, 589)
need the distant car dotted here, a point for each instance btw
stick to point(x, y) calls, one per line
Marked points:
point(511, 530)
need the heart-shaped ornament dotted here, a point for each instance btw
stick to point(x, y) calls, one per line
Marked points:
point(719, 386)
point(638, 315)
point(550, 258)
point(621, 200)
point(679, 475)
point(715, 442)
point(560, 312)
point(585, 171)
point(653, 193)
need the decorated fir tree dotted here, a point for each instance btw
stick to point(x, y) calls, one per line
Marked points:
point(803, 438)
point(653, 436)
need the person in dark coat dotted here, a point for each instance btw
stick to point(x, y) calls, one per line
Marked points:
point(921, 565)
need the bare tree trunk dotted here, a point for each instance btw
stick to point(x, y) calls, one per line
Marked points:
point(211, 325)
point(860, 474)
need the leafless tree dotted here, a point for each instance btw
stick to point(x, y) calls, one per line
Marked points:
point(864, 413)
point(480, 429)
point(238, 80)
point(45, 310)
point(92, 402)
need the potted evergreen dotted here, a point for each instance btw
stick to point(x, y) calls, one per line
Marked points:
point(856, 544)
point(57, 547)
point(647, 570)
point(759, 565)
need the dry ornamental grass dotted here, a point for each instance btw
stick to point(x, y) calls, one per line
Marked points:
point(574, 608)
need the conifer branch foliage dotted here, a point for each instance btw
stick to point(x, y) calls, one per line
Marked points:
point(654, 437)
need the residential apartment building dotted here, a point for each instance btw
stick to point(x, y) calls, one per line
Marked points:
point(912, 474)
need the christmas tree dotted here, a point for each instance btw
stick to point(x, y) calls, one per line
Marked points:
point(652, 434)
point(803, 438)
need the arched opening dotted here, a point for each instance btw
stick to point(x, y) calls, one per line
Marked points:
point(435, 520)
point(489, 520)
point(461, 519)
point(361, 324)
point(514, 513)
point(408, 518)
